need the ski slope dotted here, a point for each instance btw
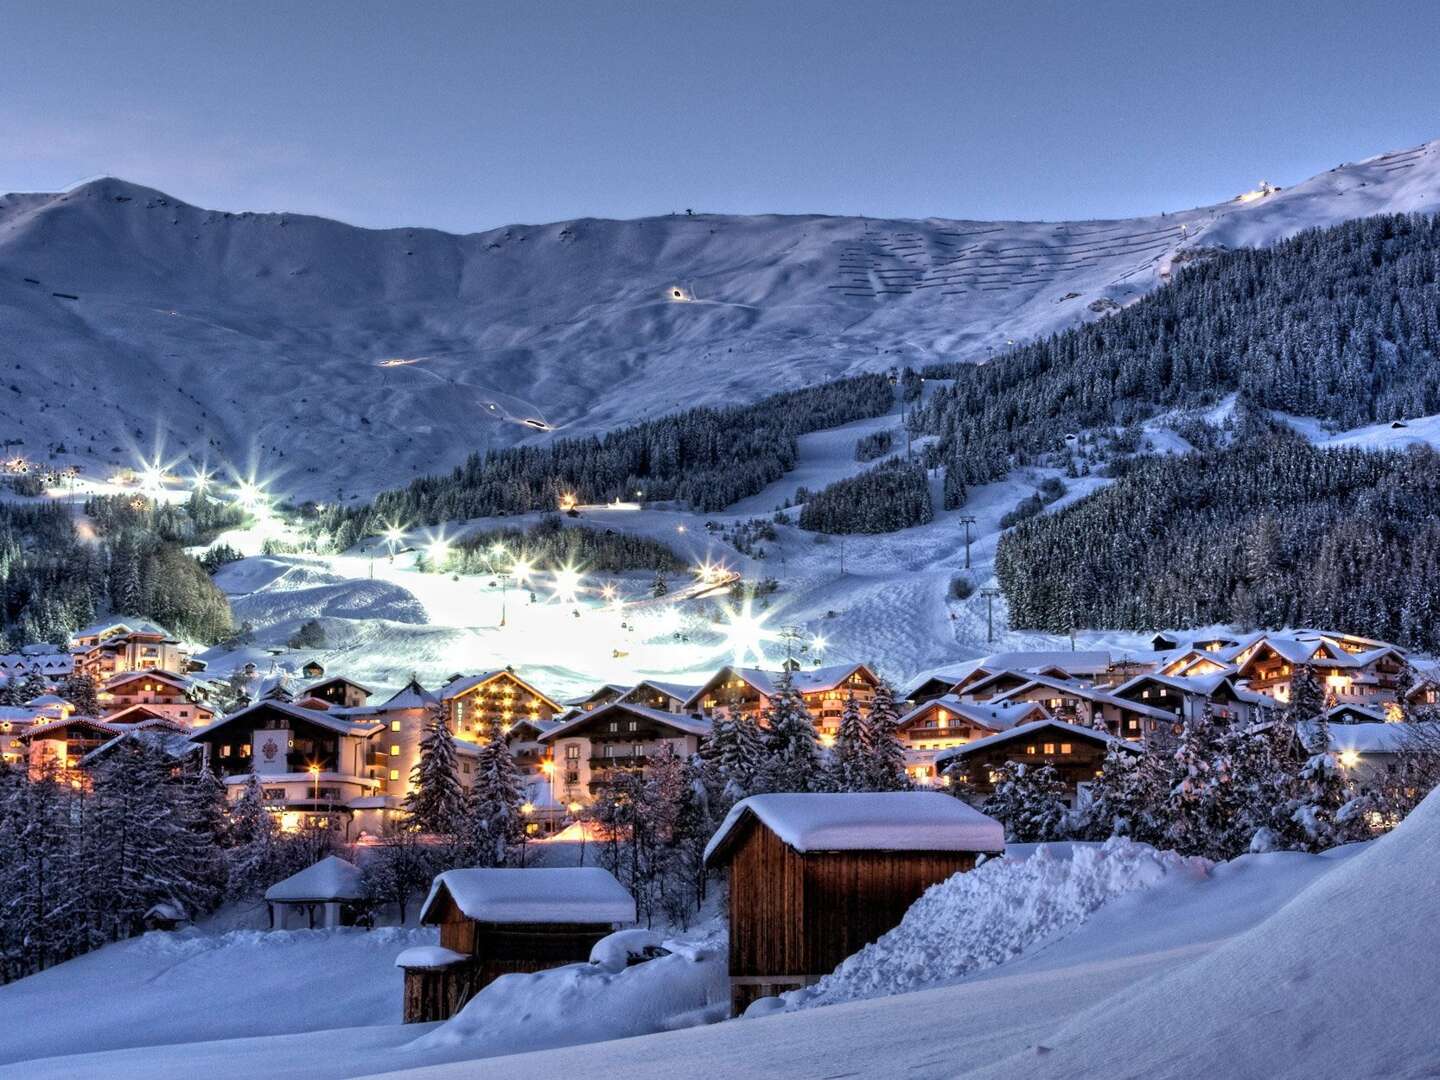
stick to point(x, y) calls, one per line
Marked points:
point(337, 360)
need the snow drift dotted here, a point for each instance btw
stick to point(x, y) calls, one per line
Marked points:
point(1340, 982)
point(993, 914)
point(593, 1002)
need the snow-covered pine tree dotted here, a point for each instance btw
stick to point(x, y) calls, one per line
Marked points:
point(885, 755)
point(254, 853)
point(32, 686)
point(1307, 696)
point(792, 749)
point(79, 689)
point(1128, 798)
point(1200, 771)
point(436, 801)
point(1321, 815)
point(1028, 801)
point(494, 825)
point(850, 755)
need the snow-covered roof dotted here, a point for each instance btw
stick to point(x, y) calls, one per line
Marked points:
point(1379, 738)
point(1078, 663)
point(168, 739)
point(411, 696)
point(995, 715)
point(463, 684)
point(866, 821)
point(429, 956)
point(681, 692)
point(337, 679)
point(542, 894)
point(180, 682)
point(335, 720)
point(118, 625)
point(805, 682)
point(950, 674)
point(618, 689)
point(690, 725)
point(1085, 693)
point(1204, 685)
point(332, 878)
point(1062, 726)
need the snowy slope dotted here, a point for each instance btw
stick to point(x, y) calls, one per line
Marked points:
point(1277, 966)
point(254, 341)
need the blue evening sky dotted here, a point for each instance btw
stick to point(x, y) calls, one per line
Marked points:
point(470, 115)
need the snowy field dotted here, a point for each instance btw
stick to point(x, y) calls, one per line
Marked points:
point(1113, 961)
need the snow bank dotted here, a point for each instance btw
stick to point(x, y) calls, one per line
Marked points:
point(989, 916)
point(585, 1003)
point(1340, 982)
point(429, 956)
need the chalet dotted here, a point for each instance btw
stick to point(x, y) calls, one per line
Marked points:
point(17, 720)
point(939, 682)
point(397, 727)
point(316, 767)
point(1094, 666)
point(475, 703)
point(949, 721)
point(1078, 703)
point(824, 690)
point(59, 745)
point(1357, 714)
point(816, 877)
point(1351, 669)
point(331, 888)
point(1371, 750)
point(588, 749)
point(106, 648)
point(165, 693)
point(1076, 753)
point(497, 921)
point(40, 660)
point(338, 692)
point(1186, 698)
point(312, 670)
point(600, 696)
point(667, 696)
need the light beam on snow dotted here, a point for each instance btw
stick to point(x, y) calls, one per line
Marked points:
point(745, 634)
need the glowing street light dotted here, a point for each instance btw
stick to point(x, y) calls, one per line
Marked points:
point(607, 591)
point(200, 481)
point(522, 568)
point(393, 535)
point(436, 552)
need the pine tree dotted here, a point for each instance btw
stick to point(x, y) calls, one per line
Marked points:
point(1307, 697)
point(1199, 772)
point(1028, 801)
point(792, 749)
point(436, 801)
point(255, 839)
point(850, 756)
point(79, 690)
point(1129, 796)
point(885, 753)
point(494, 825)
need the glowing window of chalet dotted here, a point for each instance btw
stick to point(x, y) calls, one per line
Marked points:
point(394, 774)
point(1030, 749)
point(394, 749)
point(1066, 748)
point(1049, 748)
point(394, 725)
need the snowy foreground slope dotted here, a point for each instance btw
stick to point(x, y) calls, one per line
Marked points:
point(256, 341)
point(1274, 965)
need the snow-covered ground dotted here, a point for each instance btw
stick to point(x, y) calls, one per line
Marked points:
point(1275, 965)
point(1106, 962)
point(264, 343)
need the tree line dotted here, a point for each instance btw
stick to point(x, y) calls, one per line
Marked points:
point(1273, 532)
point(1341, 323)
point(705, 457)
point(551, 543)
point(885, 498)
point(52, 582)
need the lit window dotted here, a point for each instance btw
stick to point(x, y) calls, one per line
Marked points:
point(394, 750)
point(394, 725)
point(1064, 748)
point(394, 774)
point(1029, 749)
point(1049, 748)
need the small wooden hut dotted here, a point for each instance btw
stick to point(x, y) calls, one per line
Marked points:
point(330, 888)
point(816, 877)
point(497, 921)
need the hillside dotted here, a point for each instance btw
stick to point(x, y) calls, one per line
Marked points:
point(257, 341)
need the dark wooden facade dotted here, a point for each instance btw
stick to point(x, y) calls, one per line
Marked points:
point(1076, 757)
point(493, 949)
point(795, 916)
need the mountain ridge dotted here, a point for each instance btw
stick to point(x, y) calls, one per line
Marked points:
point(255, 340)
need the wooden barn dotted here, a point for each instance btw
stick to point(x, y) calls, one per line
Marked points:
point(497, 921)
point(815, 877)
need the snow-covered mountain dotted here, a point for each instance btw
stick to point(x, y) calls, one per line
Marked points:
point(258, 341)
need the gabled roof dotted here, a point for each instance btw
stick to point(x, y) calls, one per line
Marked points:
point(1085, 693)
point(179, 682)
point(1024, 731)
point(997, 716)
point(411, 696)
point(863, 821)
point(548, 894)
point(332, 680)
point(120, 624)
point(175, 743)
point(766, 683)
point(949, 675)
point(139, 714)
point(333, 720)
point(618, 690)
point(1092, 662)
point(464, 684)
point(681, 692)
point(98, 727)
point(685, 724)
